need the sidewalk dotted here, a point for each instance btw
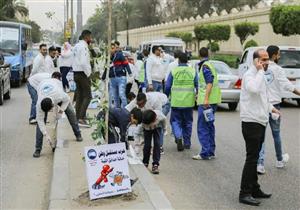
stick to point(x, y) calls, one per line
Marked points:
point(69, 183)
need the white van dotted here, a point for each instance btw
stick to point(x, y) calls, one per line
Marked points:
point(289, 61)
point(170, 45)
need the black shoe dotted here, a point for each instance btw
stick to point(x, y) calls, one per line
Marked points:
point(79, 138)
point(260, 194)
point(162, 151)
point(133, 181)
point(249, 200)
point(155, 169)
point(187, 146)
point(37, 154)
point(179, 145)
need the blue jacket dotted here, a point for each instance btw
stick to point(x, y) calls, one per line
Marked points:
point(119, 118)
point(119, 65)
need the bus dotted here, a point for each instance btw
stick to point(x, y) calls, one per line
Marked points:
point(16, 46)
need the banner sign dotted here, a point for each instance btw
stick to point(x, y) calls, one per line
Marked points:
point(107, 170)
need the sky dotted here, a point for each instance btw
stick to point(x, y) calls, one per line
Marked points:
point(38, 8)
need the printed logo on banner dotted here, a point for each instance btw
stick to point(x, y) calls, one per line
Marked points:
point(107, 170)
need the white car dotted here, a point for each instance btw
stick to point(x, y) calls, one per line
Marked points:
point(289, 61)
point(229, 83)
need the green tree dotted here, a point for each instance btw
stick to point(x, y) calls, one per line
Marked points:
point(187, 8)
point(216, 32)
point(214, 47)
point(187, 37)
point(9, 8)
point(245, 29)
point(285, 20)
point(35, 31)
point(173, 34)
point(199, 34)
point(250, 43)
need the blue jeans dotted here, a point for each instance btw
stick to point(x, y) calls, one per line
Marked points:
point(206, 133)
point(275, 127)
point(34, 97)
point(72, 120)
point(117, 88)
point(64, 70)
point(165, 110)
point(157, 86)
point(182, 123)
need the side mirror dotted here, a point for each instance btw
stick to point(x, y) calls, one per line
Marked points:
point(24, 46)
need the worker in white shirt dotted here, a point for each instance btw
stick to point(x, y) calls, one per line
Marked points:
point(51, 95)
point(65, 64)
point(276, 81)
point(173, 64)
point(39, 62)
point(152, 101)
point(50, 59)
point(82, 71)
point(254, 112)
point(32, 85)
point(155, 70)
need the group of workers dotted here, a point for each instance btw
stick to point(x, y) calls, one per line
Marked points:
point(168, 84)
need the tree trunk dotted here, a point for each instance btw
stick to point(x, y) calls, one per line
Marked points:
point(108, 64)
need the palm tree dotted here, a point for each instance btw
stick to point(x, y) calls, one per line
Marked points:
point(9, 8)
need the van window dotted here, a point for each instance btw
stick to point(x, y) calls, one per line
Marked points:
point(289, 59)
point(244, 58)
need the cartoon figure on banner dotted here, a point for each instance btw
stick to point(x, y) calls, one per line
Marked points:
point(103, 177)
point(118, 178)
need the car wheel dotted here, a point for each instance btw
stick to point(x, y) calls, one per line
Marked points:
point(232, 106)
point(1, 95)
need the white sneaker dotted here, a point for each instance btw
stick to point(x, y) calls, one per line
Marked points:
point(198, 157)
point(260, 169)
point(32, 121)
point(285, 159)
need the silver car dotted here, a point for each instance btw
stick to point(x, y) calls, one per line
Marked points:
point(229, 83)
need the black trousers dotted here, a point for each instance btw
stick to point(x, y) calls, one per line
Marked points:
point(83, 94)
point(254, 134)
point(148, 135)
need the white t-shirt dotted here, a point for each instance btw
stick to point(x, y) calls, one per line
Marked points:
point(50, 88)
point(36, 79)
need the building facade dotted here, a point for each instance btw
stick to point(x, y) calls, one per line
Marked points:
point(259, 14)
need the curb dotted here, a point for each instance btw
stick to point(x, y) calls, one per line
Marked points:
point(59, 191)
point(157, 197)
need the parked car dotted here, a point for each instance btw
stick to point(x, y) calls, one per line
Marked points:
point(289, 61)
point(4, 80)
point(229, 83)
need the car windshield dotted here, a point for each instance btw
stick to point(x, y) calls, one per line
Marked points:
point(9, 39)
point(171, 49)
point(222, 68)
point(289, 59)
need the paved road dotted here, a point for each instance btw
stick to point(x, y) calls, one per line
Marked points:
point(24, 180)
point(214, 184)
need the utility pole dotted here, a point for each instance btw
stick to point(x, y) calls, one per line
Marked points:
point(79, 16)
point(67, 9)
point(72, 23)
point(108, 63)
